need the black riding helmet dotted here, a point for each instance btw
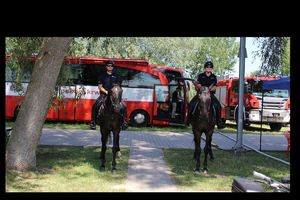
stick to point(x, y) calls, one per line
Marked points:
point(110, 62)
point(209, 63)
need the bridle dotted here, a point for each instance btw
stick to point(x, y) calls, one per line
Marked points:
point(113, 97)
point(203, 90)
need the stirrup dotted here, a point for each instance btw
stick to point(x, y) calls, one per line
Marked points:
point(93, 125)
point(221, 125)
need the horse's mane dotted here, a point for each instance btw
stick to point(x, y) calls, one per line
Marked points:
point(203, 91)
point(106, 105)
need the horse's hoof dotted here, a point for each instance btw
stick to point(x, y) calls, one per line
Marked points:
point(119, 155)
point(196, 171)
point(114, 170)
point(205, 171)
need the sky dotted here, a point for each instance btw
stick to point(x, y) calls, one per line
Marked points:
point(251, 64)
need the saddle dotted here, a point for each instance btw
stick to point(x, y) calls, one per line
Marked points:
point(212, 109)
point(101, 109)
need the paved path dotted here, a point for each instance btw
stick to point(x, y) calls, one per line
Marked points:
point(147, 170)
point(157, 139)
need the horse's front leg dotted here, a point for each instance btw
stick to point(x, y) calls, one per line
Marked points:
point(116, 148)
point(104, 135)
point(209, 139)
point(206, 150)
point(197, 152)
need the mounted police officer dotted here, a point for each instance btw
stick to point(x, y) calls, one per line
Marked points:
point(104, 83)
point(208, 79)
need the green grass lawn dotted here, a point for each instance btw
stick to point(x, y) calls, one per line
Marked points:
point(70, 169)
point(230, 128)
point(222, 170)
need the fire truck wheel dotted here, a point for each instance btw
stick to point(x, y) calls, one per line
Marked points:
point(139, 118)
point(246, 124)
point(275, 126)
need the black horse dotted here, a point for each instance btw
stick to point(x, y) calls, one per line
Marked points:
point(109, 118)
point(203, 121)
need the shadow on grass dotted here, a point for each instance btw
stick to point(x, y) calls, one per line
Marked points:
point(64, 164)
point(222, 170)
point(68, 157)
point(17, 180)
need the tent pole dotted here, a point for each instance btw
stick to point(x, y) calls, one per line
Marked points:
point(261, 117)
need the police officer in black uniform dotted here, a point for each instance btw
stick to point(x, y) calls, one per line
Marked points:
point(208, 79)
point(105, 81)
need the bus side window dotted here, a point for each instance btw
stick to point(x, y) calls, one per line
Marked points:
point(141, 79)
point(123, 74)
point(72, 73)
point(90, 74)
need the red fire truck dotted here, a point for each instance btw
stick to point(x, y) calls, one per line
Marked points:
point(276, 103)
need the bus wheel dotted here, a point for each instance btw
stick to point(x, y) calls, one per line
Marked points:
point(16, 112)
point(139, 118)
point(275, 126)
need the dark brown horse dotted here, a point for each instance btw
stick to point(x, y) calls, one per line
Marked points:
point(109, 119)
point(203, 122)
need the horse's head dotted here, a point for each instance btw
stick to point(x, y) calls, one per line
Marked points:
point(115, 96)
point(204, 101)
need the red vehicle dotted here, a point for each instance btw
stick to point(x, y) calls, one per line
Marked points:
point(276, 110)
point(146, 91)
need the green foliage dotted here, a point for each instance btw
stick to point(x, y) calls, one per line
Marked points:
point(286, 63)
point(19, 68)
point(221, 51)
point(178, 52)
point(274, 53)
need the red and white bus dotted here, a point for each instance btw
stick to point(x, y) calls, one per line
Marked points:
point(146, 91)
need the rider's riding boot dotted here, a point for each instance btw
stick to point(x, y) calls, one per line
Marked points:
point(217, 107)
point(92, 125)
point(188, 119)
point(95, 111)
point(220, 124)
point(190, 112)
point(191, 107)
point(125, 124)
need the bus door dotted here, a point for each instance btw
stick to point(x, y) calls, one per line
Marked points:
point(163, 113)
point(161, 105)
point(177, 104)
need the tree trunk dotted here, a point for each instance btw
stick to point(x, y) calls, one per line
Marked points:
point(21, 148)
